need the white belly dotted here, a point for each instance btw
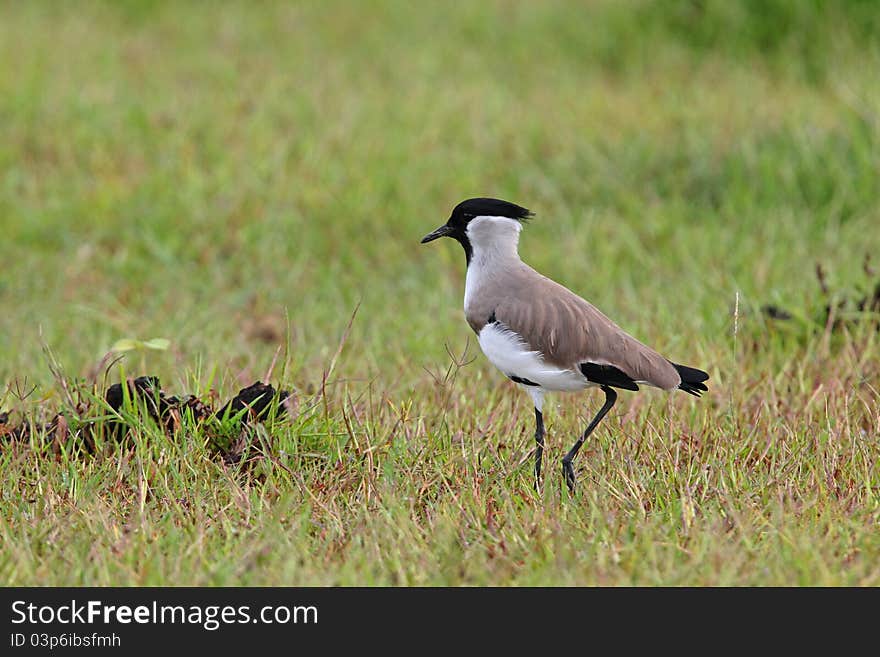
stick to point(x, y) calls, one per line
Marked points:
point(507, 351)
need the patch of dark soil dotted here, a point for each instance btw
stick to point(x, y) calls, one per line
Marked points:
point(50, 432)
point(258, 398)
point(144, 391)
point(252, 405)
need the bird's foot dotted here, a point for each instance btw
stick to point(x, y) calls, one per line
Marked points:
point(568, 475)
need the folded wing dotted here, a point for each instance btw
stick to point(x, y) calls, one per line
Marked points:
point(570, 332)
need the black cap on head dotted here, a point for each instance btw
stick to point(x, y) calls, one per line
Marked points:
point(489, 207)
point(456, 226)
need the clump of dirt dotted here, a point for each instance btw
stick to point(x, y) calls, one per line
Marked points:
point(52, 431)
point(145, 391)
point(252, 405)
point(258, 399)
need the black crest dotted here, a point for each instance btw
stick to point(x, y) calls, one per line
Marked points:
point(488, 207)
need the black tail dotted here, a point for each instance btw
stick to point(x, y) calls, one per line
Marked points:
point(691, 379)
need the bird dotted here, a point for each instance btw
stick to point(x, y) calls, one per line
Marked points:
point(541, 335)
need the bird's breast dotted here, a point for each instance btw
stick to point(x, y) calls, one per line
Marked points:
point(509, 353)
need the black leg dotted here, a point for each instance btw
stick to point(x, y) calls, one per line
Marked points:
point(539, 452)
point(567, 470)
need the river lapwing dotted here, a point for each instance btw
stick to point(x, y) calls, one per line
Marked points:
point(540, 334)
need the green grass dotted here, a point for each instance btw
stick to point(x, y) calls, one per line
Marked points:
point(238, 179)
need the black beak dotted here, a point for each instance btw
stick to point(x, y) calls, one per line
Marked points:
point(443, 231)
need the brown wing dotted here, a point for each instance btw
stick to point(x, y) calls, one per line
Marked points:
point(568, 331)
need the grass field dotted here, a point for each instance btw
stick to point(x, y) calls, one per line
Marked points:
point(240, 178)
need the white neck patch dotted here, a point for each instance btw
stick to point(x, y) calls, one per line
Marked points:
point(494, 234)
point(493, 241)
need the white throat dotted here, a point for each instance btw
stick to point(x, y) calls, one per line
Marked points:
point(494, 243)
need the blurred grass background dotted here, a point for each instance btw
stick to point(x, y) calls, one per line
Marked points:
point(230, 175)
point(170, 170)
